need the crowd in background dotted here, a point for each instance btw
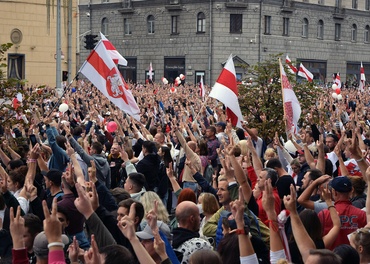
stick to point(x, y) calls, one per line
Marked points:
point(182, 185)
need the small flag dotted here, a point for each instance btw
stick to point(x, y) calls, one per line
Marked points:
point(303, 72)
point(150, 71)
point(337, 81)
point(114, 54)
point(202, 89)
point(292, 68)
point(361, 85)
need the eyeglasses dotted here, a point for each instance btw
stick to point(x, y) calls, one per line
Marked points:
point(364, 230)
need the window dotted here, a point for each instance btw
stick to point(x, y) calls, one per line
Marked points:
point(366, 34)
point(127, 26)
point(285, 26)
point(337, 31)
point(305, 28)
point(104, 26)
point(174, 21)
point(321, 2)
point(338, 3)
point(201, 22)
point(354, 33)
point(320, 29)
point(126, 3)
point(236, 23)
point(367, 4)
point(198, 75)
point(354, 4)
point(105, 1)
point(267, 25)
point(150, 23)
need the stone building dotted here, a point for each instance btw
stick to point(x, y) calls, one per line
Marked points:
point(195, 37)
point(31, 26)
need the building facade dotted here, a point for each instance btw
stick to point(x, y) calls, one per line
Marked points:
point(31, 26)
point(195, 37)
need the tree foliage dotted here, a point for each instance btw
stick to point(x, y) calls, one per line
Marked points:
point(261, 99)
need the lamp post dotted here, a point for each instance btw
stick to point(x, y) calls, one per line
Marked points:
point(58, 53)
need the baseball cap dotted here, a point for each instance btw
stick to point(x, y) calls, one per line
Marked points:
point(341, 184)
point(148, 234)
point(55, 176)
point(299, 152)
point(223, 124)
point(40, 244)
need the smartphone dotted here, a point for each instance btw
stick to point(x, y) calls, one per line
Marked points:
point(33, 140)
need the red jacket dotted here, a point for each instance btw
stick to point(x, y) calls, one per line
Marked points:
point(351, 219)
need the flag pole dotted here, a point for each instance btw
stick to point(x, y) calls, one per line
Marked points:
point(204, 103)
point(64, 92)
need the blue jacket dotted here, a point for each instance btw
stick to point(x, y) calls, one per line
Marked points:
point(59, 159)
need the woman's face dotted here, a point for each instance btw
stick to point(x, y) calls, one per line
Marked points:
point(11, 185)
point(160, 152)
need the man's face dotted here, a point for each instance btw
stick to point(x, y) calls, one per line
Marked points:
point(28, 240)
point(63, 219)
point(128, 184)
point(301, 158)
point(121, 212)
point(148, 244)
point(219, 129)
point(114, 149)
point(261, 180)
point(330, 142)
point(306, 180)
point(209, 133)
point(223, 193)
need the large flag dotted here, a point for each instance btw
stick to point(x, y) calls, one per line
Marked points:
point(150, 71)
point(337, 81)
point(292, 68)
point(113, 53)
point(303, 72)
point(100, 69)
point(202, 89)
point(292, 108)
point(225, 90)
point(361, 84)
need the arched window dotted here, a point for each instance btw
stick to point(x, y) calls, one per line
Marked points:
point(201, 22)
point(320, 29)
point(150, 23)
point(105, 26)
point(305, 28)
point(366, 34)
point(354, 32)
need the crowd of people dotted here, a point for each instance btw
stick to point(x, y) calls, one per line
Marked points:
point(182, 185)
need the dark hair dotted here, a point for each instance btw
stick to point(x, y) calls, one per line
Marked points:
point(328, 167)
point(33, 223)
point(333, 136)
point(240, 133)
point(213, 129)
point(97, 146)
point(139, 208)
point(18, 175)
point(315, 174)
point(274, 163)
point(347, 253)
point(13, 164)
point(149, 146)
point(358, 184)
point(205, 256)
point(120, 194)
point(166, 156)
point(138, 179)
point(273, 175)
point(117, 254)
point(312, 223)
point(153, 130)
point(77, 131)
point(61, 141)
point(203, 149)
point(63, 210)
point(326, 256)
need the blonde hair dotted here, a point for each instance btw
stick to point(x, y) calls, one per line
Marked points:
point(210, 204)
point(269, 152)
point(243, 147)
point(147, 199)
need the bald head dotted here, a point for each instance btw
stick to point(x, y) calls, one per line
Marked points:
point(187, 215)
point(192, 145)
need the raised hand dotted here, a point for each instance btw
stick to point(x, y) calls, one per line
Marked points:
point(151, 217)
point(83, 203)
point(92, 255)
point(17, 228)
point(52, 226)
point(290, 201)
point(268, 200)
point(237, 208)
point(92, 175)
point(127, 225)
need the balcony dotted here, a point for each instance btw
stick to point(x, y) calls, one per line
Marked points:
point(287, 7)
point(236, 4)
point(339, 13)
point(126, 7)
point(173, 5)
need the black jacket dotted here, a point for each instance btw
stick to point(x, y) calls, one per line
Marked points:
point(149, 166)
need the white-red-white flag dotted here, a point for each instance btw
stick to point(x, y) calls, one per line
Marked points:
point(225, 90)
point(292, 68)
point(361, 85)
point(337, 81)
point(303, 72)
point(113, 53)
point(292, 108)
point(100, 69)
point(150, 71)
point(202, 89)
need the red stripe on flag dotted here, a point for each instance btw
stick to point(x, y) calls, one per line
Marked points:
point(228, 79)
point(231, 116)
point(98, 64)
point(108, 45)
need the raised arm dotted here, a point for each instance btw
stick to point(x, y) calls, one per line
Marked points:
point(304, 198)
point(332, 235)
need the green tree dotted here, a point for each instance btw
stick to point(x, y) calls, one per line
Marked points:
point(260, 98)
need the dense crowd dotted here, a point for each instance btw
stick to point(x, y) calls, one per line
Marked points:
point(182, 185)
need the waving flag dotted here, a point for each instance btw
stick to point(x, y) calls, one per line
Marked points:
point(337, 81)
point(361, 84)
point(202, 89)
point(225, 90)
point(292, 68)
point(100, 69)
point(292, 108)
point(303, 72)
point(112, 51)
